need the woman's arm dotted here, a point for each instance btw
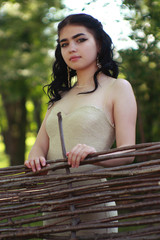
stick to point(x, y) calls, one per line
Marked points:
point(124, 117)
point(37, 156)
point(124, 113)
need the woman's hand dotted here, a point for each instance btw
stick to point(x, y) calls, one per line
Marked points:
point(36, 163)
point(78, 154)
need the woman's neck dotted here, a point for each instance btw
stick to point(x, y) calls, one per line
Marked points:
point(85, 77)
point(84, 82)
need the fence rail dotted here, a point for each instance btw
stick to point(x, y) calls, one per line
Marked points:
point(25, 196)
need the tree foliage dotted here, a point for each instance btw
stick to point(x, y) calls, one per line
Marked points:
point(142, 66)
point(27, 36)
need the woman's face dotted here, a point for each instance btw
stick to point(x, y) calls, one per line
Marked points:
point(78, 47)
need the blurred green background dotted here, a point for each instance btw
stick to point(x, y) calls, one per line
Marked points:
point(27, 43)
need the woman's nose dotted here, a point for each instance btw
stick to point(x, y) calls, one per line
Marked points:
point(72, 47)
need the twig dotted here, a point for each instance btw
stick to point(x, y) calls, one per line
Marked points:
point(72, 207)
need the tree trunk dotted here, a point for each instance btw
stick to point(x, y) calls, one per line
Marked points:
point(14, 136)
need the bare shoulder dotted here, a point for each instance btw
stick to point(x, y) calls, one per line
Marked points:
point(115, 84)
point(116, 88)
point(123, 95)
point(106, 81)
point(122, 84)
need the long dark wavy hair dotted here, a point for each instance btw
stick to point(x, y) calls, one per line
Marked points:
point(108, 66)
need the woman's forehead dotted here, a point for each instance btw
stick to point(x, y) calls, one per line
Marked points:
point(71, 30)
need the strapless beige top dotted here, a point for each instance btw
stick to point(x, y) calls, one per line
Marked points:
point(86, 125)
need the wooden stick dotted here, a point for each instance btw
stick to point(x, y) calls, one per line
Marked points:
point(72, 207)
point(134, 187)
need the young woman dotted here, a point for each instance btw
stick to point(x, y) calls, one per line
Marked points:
point(96, 109)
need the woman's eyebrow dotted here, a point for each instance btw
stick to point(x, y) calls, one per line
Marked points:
point(75, 36)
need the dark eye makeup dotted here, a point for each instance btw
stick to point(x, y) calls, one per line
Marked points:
point(82, 39)
point(79, 40)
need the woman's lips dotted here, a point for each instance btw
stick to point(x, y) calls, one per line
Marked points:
point(74, 58)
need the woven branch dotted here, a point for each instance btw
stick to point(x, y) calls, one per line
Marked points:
point(25, 196)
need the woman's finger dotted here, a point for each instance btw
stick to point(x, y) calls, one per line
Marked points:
point(42, 161)
point(74, 157)
point(27, 164)
point(37, 163)
point(78, 154)
point(32, 163)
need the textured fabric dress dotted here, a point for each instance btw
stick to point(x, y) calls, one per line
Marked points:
point(87, 125)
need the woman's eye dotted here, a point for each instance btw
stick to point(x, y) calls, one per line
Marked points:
point(63, 45)
point(81, 40)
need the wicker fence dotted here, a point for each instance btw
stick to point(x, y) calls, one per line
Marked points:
point(25, 196)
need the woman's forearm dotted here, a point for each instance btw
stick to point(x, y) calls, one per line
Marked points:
point(37, 151)
point(116, 162)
